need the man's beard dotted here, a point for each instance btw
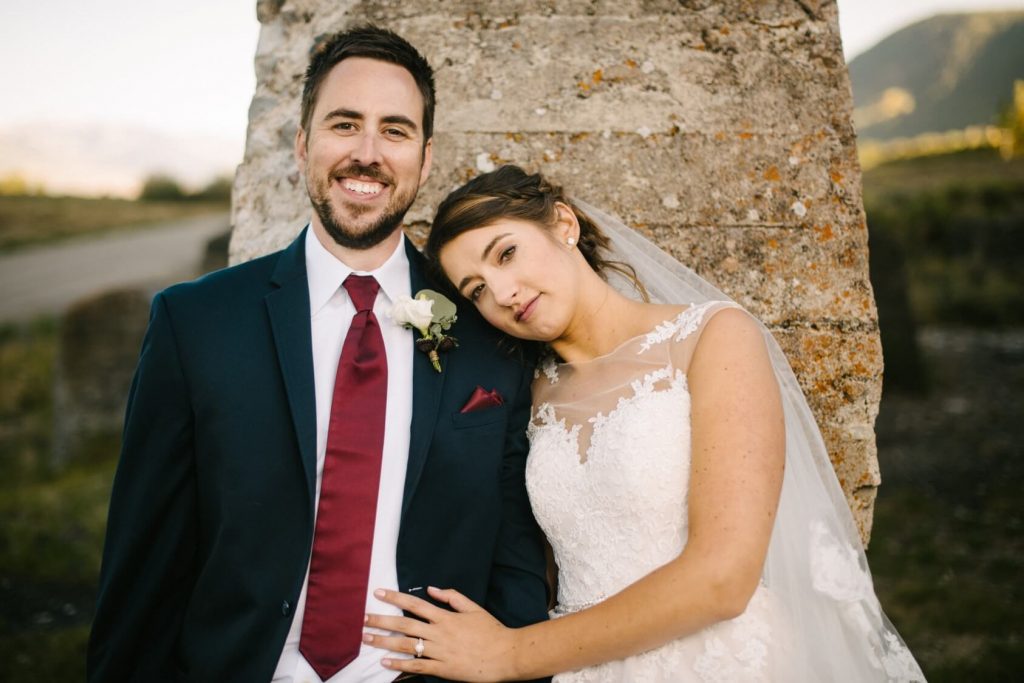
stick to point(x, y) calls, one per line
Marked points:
point(371, 235)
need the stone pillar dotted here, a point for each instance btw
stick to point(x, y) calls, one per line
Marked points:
point(722, 130)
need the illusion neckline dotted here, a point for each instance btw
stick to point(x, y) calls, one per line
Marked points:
point(625, 342)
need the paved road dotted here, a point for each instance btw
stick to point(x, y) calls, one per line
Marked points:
point(46, 279)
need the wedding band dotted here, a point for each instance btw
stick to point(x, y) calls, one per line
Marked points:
point(419, 647)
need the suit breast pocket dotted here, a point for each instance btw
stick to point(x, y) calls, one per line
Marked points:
point(491, 418)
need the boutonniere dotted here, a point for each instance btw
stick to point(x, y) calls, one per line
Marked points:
point(431, 314)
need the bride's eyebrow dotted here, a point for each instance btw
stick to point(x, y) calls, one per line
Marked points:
point(483, 257)
point(490, 245)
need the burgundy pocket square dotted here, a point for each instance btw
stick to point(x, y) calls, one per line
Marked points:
point(482, 399)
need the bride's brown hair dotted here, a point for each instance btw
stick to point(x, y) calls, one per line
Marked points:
point(510, 192)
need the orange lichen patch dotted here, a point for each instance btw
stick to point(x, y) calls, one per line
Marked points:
point(772, 173)
point(579, 137)
point(773, 244)
point(836, 176)
point(517, 45)
point(744, 135)
point(631, 64)
point(598, 76)
point(724, 30)
point(824, 232)
point(583, 85)
point(720, 136)
point(516, 137)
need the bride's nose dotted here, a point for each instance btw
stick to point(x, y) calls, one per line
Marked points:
point(505, 291)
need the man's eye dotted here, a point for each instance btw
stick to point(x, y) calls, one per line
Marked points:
point(395, 133)
point(475, 293)
point(344, 125)
point(506, 254)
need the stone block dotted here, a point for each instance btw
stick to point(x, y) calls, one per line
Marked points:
point(722, 130)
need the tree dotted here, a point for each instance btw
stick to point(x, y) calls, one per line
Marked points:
point(161, 187)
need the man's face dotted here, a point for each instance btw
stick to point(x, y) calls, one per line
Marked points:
point(364, 156)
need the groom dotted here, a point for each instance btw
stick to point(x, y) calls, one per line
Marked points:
point(287, 449)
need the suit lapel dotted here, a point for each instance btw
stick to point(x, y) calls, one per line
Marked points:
point(426, 391)
point(288, 307)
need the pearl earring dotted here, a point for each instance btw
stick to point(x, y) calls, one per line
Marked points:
point(571, 241)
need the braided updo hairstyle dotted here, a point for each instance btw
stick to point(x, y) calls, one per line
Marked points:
point(510, 192)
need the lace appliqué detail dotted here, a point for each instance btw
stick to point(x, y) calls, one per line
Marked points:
point(544, 416)
point(680, 327)
point(549, 368)
point(899, 664)
point(836, 568)
point(641, 387)
point(739, 654)
point(837, 572)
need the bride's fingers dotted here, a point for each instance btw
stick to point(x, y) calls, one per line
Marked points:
point(424, 666)
point(397, 624)
point(409, 603)
point(453, 598)
point(403, 644)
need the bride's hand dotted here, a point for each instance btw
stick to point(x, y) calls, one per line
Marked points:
point(465, 645)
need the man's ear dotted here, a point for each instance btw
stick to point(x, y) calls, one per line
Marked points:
point(428, 155)
point(300, 148)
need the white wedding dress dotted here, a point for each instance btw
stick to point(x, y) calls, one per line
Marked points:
point(608, 475)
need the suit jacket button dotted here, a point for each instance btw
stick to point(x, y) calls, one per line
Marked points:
point(286, 608)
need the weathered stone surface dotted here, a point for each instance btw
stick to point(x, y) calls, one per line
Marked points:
point(722, 130)
point(96, 357)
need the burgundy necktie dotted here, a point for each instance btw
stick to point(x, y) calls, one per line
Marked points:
point(332, 627)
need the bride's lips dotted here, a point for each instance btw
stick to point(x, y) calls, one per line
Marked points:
point(524, 313)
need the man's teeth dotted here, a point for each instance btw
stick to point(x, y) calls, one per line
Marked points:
point(361, 187)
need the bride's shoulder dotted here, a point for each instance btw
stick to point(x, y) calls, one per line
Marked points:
point(678, 322)
point(728, 334)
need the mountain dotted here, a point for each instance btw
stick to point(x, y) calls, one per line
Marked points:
point(111, 159)
point(947, 72)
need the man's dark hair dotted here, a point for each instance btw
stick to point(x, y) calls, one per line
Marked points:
point(374, 43)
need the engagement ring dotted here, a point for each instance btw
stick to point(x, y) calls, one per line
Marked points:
point(419, 647)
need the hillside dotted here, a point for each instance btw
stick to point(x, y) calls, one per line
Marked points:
point(947, 72)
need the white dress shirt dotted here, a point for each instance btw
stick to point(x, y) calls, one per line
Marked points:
point(331, 312)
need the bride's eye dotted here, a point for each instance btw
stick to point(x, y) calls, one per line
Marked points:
point(475, 293)
point(506, 254)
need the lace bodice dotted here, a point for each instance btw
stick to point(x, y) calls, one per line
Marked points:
point(608, 476)
point(609, 460)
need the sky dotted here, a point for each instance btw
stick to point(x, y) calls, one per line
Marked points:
point(184, 69)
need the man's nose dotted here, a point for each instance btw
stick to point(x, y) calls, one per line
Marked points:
point(367, 152)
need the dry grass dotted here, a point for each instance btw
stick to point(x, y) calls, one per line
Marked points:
point(28, 220)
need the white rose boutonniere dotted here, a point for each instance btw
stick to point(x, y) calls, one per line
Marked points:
point(431, 313)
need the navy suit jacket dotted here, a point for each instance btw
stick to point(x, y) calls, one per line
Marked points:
point(212, 512)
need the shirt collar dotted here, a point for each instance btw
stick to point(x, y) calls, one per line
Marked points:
point(326, 273)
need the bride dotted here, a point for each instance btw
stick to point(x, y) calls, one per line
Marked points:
point(698, 528)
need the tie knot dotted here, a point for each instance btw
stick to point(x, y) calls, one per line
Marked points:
point(363, 290)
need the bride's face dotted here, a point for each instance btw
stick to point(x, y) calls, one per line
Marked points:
point(522, 277)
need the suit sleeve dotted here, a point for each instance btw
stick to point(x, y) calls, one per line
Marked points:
point(518, 593)
point(149, 554)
